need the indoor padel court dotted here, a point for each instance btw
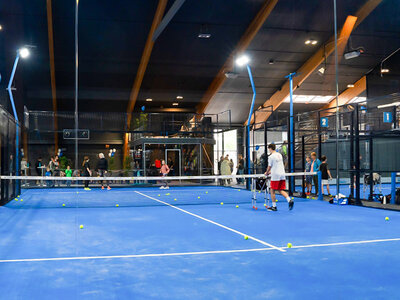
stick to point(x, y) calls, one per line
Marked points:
point(182, 149)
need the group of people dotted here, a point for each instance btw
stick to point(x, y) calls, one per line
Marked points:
point(53, 169)
point(276, 170)
point(313, 164)
point(225, 167)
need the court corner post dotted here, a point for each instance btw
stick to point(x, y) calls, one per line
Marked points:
point(393, 188)
point(320, 186)
point(248, 159)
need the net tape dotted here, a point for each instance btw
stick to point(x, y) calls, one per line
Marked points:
point(150, 178)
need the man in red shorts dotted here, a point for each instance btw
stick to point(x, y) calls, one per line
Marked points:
point(276, 169)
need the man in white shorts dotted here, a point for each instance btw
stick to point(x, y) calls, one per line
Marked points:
point(276, 169)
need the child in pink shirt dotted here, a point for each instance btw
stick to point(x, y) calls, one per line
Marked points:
point(164, 172)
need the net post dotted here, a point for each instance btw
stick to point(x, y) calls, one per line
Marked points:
point(320, 185)
point(393, 188)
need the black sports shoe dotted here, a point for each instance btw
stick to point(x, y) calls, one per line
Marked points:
point(272, 208)
point(291, 204)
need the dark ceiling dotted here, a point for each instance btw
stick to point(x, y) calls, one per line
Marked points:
point(112, 36)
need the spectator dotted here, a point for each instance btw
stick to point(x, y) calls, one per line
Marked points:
point(56, 171)
point(284, 152)
point(315, 163)
point(102, 168)
point(86, 171)
point(240, 168)
point(38, 167)
point(68, 173)
point(308, 177)
point(24, 167)
point(48, 174)
point(225, 169)
point(326, 175)
point(157, 163)
point(221, 159)
point(231, 165)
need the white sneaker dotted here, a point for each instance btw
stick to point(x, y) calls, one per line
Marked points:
point(166, 187)
point(161, 187)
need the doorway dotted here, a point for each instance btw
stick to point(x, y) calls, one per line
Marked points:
point(173, 159)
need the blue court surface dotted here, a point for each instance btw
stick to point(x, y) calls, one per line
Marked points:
point(154, 247)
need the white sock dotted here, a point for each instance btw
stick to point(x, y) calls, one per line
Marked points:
point(273, 203)
point(288, 199)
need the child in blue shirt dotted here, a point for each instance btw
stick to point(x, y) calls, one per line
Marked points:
point(315, 163)
point(47, 174)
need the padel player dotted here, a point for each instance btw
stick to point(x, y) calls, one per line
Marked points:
point(276, 169)
point(164, 172)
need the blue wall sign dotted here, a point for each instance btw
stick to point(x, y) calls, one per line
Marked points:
point(387, 117)
point(324, 122)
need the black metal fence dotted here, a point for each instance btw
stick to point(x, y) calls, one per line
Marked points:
point(8, 130)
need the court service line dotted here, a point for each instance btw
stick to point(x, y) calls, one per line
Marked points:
point(39, 191)
point(133, 255)
point(347, 243)
point(191, 253)
point(212, 222)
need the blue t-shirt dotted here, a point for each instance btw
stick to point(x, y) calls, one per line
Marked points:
point(317, 163)
point(48, 173)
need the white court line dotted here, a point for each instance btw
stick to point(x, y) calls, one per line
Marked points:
point(348, 243)
point(191, 253)
point(212, 222)
point(117, 189)
point(134, 255)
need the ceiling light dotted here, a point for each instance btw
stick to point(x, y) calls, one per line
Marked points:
point(350, 85)
point(149, 100)
point(242, 60)
point(175, 104)
point(1, 27)
point(271, 62)
point(179, 97)
point(310, 42)
point(389, 105)
point(204, 35)
point(321, 70)
point(231, 75)
point(384, 70)
point(24, 52)
point(353, 53)
point(309, 99)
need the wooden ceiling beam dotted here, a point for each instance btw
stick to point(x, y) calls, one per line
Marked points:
point(144, 61)
point(348, 94)
point(50, 34)
point(311, 64)
point(241, 46)
point(148, 48)
point(306, 69)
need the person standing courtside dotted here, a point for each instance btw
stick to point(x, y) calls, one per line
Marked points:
point(86, 171)
point(102, 169)
point(315, 163)
point(240, 168)
point(276, 169)
point(308, 177)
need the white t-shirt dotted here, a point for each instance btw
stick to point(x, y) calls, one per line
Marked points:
point(275, 161)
